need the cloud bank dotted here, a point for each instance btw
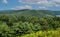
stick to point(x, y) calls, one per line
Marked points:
point(5, 1)
point(42, 2)
point(22, 7)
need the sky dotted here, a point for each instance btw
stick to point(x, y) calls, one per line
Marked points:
point(30, 4)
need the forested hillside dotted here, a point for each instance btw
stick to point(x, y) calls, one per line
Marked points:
point(29, 23)
point(29, 13)
point(24, 10)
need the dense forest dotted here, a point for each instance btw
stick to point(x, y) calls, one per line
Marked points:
point(33, 26)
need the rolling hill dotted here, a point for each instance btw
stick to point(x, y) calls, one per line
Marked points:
point(29, 13)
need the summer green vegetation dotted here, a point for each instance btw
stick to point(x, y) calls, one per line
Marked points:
point(52, 33)
point(29, 23)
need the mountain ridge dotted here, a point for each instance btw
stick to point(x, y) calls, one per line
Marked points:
point(28, 13)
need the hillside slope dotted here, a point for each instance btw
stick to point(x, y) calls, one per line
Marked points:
point(29, 13)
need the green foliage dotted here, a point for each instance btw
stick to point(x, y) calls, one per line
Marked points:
point(12, 26)
point(51, 33)
point(30, 13)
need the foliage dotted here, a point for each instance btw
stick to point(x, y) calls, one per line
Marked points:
point(12, 26)
point(51, 33)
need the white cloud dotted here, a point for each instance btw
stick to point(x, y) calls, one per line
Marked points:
point(57, 1)
point(33, 1)
point(22, 7)
point(5, 1)
point(42, 2)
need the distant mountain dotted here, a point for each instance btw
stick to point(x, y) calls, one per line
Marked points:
point(29, 13)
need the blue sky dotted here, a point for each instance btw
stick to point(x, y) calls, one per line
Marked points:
point(30, 4)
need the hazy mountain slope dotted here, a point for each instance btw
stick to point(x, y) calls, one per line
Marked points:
point(29, 13)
